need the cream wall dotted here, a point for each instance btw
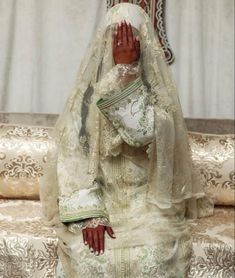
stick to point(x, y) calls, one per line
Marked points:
point(42, 44)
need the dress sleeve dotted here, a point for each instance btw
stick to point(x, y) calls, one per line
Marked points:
point(80, 197)
point(82, 204)
point(131, 113)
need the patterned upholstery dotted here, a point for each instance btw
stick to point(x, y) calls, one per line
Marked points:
point(22, 160)
point(213, 245)
point(29, 249)
point(213, 157)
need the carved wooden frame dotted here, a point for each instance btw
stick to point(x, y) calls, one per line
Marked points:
point(155, 9)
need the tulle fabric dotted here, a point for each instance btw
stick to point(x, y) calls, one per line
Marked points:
point(172, 188)
point(171, 176)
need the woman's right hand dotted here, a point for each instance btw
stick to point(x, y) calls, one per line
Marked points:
point(95, 238)
point(126, 47)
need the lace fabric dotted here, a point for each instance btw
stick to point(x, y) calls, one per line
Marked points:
point(88, 223)
point(77, 132)
point(131, 113)
point(144, 198)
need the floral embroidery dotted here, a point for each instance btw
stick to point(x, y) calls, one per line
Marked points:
point(88, 223)
point(132, 117)
point(217, 263)
point(213, 158)
point(82, 204)
point(15, 260)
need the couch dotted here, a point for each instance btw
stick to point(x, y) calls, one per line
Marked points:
point(28, 248)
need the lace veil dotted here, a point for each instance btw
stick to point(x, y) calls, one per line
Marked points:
point(171, 178)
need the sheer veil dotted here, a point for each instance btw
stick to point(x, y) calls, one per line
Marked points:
point(171, 177)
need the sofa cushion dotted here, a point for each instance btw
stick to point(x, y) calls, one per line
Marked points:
point(27, 247)
point(22, 159)
point(213, 245)
point(213, 158)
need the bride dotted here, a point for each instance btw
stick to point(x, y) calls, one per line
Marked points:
point(125, 185)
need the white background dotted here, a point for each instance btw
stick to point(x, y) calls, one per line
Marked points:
point(43, 41)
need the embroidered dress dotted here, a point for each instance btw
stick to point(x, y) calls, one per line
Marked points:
point(123, 156)
point(149, 242)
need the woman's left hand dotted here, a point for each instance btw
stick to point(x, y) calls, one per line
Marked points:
point(126, 47)
point(95, 238)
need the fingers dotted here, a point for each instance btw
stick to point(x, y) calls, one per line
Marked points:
point(124, 33)
point(137, 45)
point(119, 34)
point(84, 233)
point(130, 36)
point(114, 42)
point(95, 238)
point(101, 239)
point(90, 238)
point(96, 242)
point(110, 232)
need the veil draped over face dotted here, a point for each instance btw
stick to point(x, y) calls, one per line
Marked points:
point(171, 177)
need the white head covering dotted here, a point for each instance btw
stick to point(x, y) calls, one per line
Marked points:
point(126, 11)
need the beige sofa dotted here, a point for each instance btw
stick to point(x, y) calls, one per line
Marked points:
point(29, 249)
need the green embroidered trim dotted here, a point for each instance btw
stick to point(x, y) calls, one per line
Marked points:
point(104, 103)
point(124, 93)
point(130, 140)
point(83, 215)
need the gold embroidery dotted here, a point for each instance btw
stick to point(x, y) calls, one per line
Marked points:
point(213, 159)
point(20, 258)
point(223, 217)
point(23, 152)
point(25, 131)
point(200, 140)
point(22, 166)
point(217, 262)
point(231, 182)
point(27, 247)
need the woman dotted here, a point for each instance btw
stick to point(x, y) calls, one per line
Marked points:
point(125, 183)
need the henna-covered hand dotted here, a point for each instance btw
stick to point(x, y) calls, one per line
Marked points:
point(95, 238)
point(126, 47)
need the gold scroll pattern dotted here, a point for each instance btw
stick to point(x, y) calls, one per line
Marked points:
point(28, 248)
point(213, 158)
point(23, 155)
